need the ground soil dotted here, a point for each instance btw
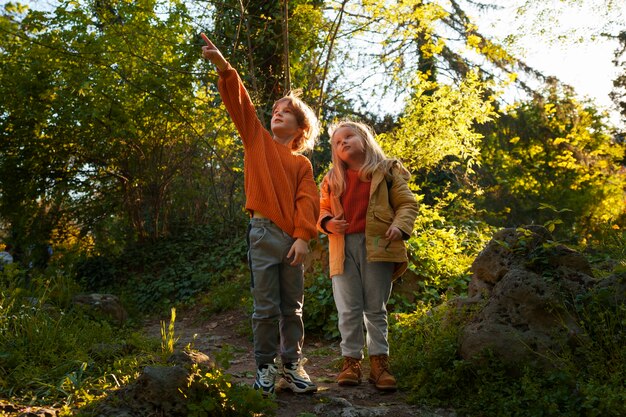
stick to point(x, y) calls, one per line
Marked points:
point(230, 330)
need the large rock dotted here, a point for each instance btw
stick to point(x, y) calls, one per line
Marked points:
point(107, 306)
point(611, 291)
point(159, 390)
point(523, 285)
point(528, 248)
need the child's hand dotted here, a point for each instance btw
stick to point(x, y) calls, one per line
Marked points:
point(210, 52)
point(337, 226)
point(393, 233)
point(298, 250)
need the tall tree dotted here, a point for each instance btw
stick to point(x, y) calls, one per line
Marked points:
point(253, 36)
point(618, 95)
point(101, 118)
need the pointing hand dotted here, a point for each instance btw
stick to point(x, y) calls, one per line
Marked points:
point(211, 53)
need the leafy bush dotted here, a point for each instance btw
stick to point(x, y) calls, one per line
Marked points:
point(606, 250)
point(441, 253)
point(212, 394)
point(233, 291)
point(50, 353)
point(557, 151)
point(320, 313)
point(423, 348)
point(97, 272)
point(587, 379)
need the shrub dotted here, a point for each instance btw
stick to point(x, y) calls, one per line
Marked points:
point(587, 380)
point(606, 250)
point(51, 353)
point(320, 313)
point(212, 394)
point(153, 276)
point(441, 253)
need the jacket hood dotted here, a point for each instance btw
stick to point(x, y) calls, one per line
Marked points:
point(389, 166)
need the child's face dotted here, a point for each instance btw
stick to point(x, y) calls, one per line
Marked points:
point(347, 145)
point(284, 122)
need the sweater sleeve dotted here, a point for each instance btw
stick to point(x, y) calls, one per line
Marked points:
point(325, 206)
point(403, 202)
point(240, 107)
point(306, 204)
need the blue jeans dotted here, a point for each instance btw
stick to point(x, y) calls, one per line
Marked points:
point(361, 294)
point(278, 294)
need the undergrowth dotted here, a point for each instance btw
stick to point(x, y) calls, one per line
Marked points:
point(54, 355)
point(588, 381)
point(51, 353)
point(153, 276)
point(319, 312)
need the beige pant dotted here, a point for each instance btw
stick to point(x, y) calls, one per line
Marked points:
point(361, 294)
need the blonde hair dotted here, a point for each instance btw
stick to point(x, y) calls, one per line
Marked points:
point(307, 121)
point(374, 155)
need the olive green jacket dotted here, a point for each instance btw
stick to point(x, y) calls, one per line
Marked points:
point(391, 203)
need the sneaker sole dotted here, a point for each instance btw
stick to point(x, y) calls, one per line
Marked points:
point(285, 384)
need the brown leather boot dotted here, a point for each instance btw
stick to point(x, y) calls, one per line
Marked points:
point(351, 372)
point(380, 374)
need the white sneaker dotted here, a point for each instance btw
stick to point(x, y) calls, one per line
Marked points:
point(266, 378)
point(296, 379)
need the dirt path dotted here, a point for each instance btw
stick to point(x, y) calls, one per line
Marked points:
point(231, 330)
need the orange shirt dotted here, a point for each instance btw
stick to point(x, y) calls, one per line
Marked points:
point(278, 183)
point(354, 200)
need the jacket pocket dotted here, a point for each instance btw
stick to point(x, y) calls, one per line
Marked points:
point(385, 250)
point(385, 216)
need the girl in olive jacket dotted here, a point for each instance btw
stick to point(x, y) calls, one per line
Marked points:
point(367, 210)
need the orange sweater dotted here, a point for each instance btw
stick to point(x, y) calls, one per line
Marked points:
point(278, 183)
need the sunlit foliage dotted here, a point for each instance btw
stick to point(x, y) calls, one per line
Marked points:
point(439, 122)
point(554, 152)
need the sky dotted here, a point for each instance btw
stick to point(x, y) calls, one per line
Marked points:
point(565, 49)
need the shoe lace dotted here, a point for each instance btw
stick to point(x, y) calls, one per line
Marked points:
point(299, 371)
point(268, 374)
point(383, 362)
point(352, 363)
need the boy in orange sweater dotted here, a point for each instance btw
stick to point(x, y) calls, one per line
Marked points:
point(282, 198)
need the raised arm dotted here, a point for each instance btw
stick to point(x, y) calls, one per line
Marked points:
point(235, 98)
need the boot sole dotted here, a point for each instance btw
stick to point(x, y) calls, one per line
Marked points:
point(348, 383)
point(383, 387)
